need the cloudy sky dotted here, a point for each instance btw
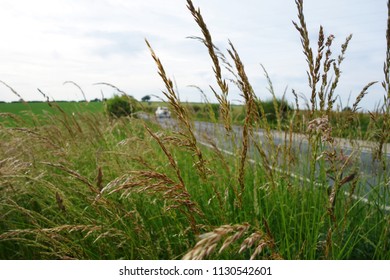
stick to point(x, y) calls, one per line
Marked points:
point(47, 42)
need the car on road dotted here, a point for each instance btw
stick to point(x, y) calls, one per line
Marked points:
point(163, 112)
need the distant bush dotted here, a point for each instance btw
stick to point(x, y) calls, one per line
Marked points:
point(215, 107)
point(120, 106)
point(271, 114)
point(196, 108)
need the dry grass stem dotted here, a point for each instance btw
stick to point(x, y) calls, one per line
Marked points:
point(181, 114)
point(76, 85)
point(337, 73)
point(360, 96)
point(74, 174)
point(207, 41)
point(250, 117)
point(312, 74)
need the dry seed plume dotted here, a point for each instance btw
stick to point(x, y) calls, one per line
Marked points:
point(209, 241)
point(230, 234)
point(321, 127)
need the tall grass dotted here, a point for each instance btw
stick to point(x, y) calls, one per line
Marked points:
point(89, 186)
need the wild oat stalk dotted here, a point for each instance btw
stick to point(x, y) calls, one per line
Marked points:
point(386, 66)
point(249, 97)
point(181, 114)
point(360, 97)
point(338, 166)
point(58, 236)
point(112, 86)
point(14, 92)
point(74, 174)
point(312, 74)
point(337, 72)
point(187, 202)
point(80, 89)
point(66, 122)
point(68, 228)
point(326, 67)
point(275, 103)
point(213, 51)
point(37, 135)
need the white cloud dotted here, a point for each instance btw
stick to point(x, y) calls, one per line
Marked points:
point(48, 42)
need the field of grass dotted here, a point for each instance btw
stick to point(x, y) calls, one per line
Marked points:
point(39, 108)
point(79, 184)
point(32, 112)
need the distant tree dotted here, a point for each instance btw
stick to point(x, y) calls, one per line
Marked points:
point(146, 98)
point(95, 100)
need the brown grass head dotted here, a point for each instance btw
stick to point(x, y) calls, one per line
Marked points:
point(208, 241)
point(228, 235)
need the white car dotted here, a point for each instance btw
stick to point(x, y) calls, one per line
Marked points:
point(163, 112)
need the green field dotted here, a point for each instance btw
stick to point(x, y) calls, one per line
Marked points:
point(39, 108)
point(78, 183)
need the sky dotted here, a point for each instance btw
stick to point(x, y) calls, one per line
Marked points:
point(45, 43)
